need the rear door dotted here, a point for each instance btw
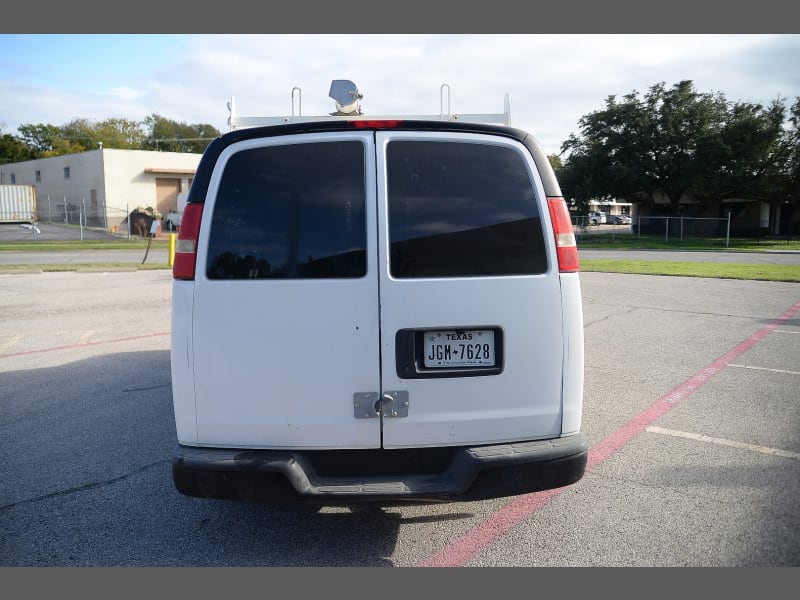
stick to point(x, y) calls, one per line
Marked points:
point(336, 275)
point(471, 333)
point(285, 335)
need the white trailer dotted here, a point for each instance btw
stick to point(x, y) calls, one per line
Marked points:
point(17, 203)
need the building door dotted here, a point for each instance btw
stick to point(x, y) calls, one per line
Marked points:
point(167, 190)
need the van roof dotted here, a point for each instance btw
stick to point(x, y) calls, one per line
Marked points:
point(346, 96)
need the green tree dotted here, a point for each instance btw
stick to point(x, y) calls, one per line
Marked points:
point(678, 142)
point(555, 162)
point(781, 187)
point(13, 149)
point(746, 154)
point(79, 135)
point(80, 132)
point(51, 140)
point(788, 167)
point(40, 138)
point(120, 133)
point(643, 147)
point(583, 177)
point(172, 136)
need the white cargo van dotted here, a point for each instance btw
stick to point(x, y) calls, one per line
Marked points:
point(379, 309)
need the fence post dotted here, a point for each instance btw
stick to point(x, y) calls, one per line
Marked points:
point(681, 228)
point(728, 233)
point(666, 229)
point(128, 220)
point(66, 213)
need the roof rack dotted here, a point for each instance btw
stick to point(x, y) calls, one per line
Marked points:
point(235, 121)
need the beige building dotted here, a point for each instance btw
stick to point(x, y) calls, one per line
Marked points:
point(101, 187)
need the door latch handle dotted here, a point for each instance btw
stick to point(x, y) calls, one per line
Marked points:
point(369, 405)
point(393, 405)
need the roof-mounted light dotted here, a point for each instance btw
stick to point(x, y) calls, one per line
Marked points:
point(346, 96)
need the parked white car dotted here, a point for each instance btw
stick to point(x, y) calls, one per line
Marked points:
point(597, 218)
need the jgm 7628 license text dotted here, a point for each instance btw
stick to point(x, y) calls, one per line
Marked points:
point(459, 348)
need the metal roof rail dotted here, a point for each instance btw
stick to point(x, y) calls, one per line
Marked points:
point(235, 121)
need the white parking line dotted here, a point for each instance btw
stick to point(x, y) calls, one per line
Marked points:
point(6, 345)
point(86, 335)
point(724, 442)
point(765, 369)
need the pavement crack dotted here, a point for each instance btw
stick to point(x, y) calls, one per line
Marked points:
point(611, 316)
point(82, 488)
point(147, 388)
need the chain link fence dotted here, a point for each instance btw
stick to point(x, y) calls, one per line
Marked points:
point(668, 229)
point(85, 214)
point(685, 228)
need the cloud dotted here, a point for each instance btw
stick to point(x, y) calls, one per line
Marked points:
point(553, 80)
point(123, 93)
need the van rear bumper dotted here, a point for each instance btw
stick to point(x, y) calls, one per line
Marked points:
point(312, 477)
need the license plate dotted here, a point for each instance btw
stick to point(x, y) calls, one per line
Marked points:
point(474, 348)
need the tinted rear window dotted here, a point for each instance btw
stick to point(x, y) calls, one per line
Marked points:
point(290, 212)
point(461, 209)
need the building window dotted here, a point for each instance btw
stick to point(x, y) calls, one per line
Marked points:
point(38, 176)
point(13, 178)
point(66, 172)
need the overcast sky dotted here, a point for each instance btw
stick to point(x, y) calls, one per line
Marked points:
point(552, 80)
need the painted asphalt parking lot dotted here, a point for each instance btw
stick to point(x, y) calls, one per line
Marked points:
point(691, 411)
point(26, 232)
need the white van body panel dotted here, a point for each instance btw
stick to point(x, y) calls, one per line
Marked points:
point(573, 352)
point(182, 361)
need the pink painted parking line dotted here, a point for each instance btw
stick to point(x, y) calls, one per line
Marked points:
point(85, 344)
point(480, 537)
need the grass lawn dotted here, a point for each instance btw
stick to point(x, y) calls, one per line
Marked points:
point(627, 241)
point(55, 246)
point(789, 273)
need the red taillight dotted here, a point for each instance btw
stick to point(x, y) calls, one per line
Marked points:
point(566, 245)
point(186, 246)
point(375, 123)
